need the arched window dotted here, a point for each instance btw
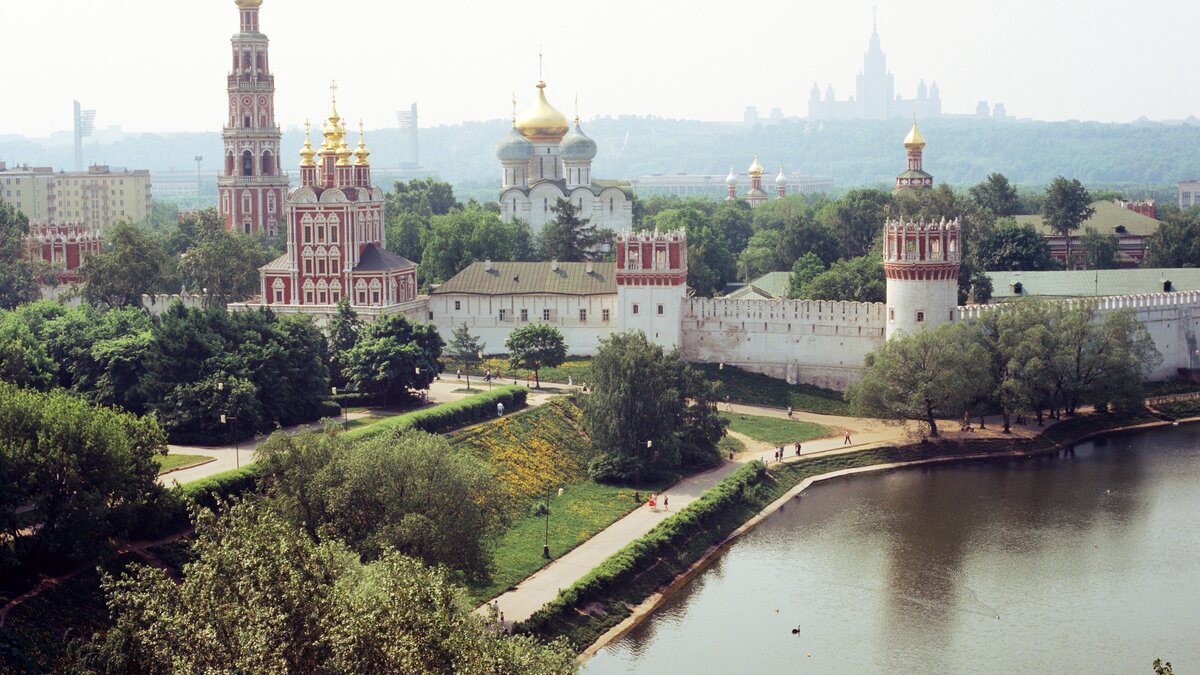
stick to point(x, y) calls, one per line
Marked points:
point(268, 164)
point(247, 160)
point(229, 164)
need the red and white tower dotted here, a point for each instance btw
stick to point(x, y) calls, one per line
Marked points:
point(757, 195)
point(920, 261)
point(652, 274)
point(252, 187)
point(914, 176)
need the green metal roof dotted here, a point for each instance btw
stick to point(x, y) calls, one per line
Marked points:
point(1107, 218)
point(914, 174)
point(532, 278)
point(769, 285)
point(1088, 283)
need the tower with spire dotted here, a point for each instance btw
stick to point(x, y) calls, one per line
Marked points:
point(756, 195)
point(544, 158)
point(335, 235)
point(252, 187)
point(914, 177)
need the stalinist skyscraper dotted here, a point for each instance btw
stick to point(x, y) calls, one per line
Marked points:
point(252, 187)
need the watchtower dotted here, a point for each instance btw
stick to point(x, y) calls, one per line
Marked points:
point(652, 284)
point(920, 261)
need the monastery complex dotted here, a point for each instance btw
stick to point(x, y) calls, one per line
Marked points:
point(335, 249)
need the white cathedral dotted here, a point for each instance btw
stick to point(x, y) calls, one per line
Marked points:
point(546, 159)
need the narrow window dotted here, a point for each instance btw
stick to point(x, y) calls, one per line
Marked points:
point(920, 317)
point(524, 315)
point(604, 315)
point(503, 315)
point(662, 310)
point(635, 308)
point(545, 315)
point(583, 316)
point(457, 305)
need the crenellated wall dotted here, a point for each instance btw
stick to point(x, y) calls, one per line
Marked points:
point(813, 341)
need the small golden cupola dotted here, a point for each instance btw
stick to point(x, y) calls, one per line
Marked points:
point(343, 149)
point(755, 169)
point(362, 153)
point(542, 121)
point(307, 153)
point(914, 139)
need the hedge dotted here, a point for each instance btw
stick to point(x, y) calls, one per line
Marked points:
point(445, 416)
point(618, 572)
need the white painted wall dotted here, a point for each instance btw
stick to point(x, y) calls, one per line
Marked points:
point(658, 312)
point(481, 313)
point(935, 301)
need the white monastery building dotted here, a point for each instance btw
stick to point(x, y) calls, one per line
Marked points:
point(543, 160)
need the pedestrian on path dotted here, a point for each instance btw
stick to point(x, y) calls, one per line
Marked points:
point(789, 412)
point(797, 448)
point(495, 608)
point(846, 441)
point(653, 503)
point(458, 374)
point(666, 503)
point(570, 381)
point(500, 411)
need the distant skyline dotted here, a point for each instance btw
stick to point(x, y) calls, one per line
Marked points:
point(160, 66)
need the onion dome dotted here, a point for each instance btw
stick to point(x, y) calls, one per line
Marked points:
point(514, 147)
point(362, 153)
point(343, 150)
point(307, 152)
point(755, 169)
point(731, 180)
point(781, 179)
point(541, 121)
point(576, 145)
point(914, 139)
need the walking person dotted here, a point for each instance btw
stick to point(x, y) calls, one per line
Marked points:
point(797, 448)
point(666, 503)
point(789, 412)
point(846, 441)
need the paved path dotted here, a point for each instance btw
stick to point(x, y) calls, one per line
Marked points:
point(543, 586)
point(228, 457)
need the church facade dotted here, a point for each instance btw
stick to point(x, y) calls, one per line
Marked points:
point(544, 159)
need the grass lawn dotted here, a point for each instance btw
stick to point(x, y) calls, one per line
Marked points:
point(579, 369)
point(365, 420)
point(583, 510)
point(729, 443)
point(173, 462)
point(775, 431)
point(742, 386)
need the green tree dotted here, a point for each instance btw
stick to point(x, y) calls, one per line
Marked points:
point(18, 275)
point(807, 268)
point(1100, 249)
point(457, 239)
point(224, 265)
point(535, 346)
point(568, 238)
point(423, 196)
point(302, 607)
point(857, 220)
point(405, 232)
point(923, 375)
point(1176, 242)
point(392, 358)
point(1009, 246)
point(85, 471)
point(734, 219)
point(760, 256)
point(24, 360)
point(641, 394)
point(465, 349)
point(1067, 206)
point(413, 493)
point(997, 195)
point(858, 279)
point(132, 264)
point(344, 329)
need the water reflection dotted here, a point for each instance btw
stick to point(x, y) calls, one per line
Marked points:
point(1081, 562)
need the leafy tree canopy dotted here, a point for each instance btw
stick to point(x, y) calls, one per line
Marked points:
point(535, 346)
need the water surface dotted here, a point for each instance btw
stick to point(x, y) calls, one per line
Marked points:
point(1082, 563)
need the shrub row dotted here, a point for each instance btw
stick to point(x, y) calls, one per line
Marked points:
point(616, 574)
point(450, 415)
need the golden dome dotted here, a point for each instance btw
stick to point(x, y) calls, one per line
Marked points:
point(541, 122)
point(343, 150)
point(307, 152)
point(362, 153)
point(755, 169)
point(914, 139)
point(248, 4)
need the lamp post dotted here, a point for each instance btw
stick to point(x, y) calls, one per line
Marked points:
point(341, 408)
point(546, 546)
point(237, 446)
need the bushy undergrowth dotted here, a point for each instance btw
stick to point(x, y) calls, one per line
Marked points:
point(447, 416)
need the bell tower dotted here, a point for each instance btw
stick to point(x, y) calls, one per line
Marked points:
point(252, 186)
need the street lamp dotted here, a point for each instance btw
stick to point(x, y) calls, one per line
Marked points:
point(341, 408)
point(237, 446)
point(546, 546)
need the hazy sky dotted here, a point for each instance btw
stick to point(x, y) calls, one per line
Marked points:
point(160, 65)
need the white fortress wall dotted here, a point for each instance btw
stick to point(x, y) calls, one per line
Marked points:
point(582, 332)
point(812, 341)
point(1171, 319)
